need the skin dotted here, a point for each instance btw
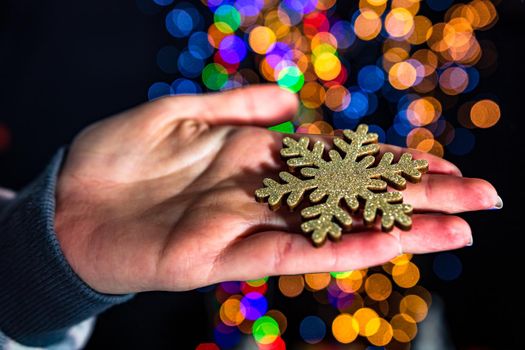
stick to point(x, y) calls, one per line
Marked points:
point(161, 197)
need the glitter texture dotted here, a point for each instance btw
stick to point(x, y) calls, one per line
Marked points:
point(350, 176)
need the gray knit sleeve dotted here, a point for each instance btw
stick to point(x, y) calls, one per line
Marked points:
point(41, 297)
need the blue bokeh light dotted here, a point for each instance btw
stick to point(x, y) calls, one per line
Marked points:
point(163, 2)
point(160, 89)
point(199, 46)
point(232, 49)
point(344, 33)
point(189, 65)
point(312, 329)
point(379, 131)
point(473, 79)
point(371, 78)
point(226, 337)
point(373, 103)
point(447, 266)
point(402, 124)
point(358, 106)
point(179, 23)
point(341, 121)
point(255, 305)
point(185, 86)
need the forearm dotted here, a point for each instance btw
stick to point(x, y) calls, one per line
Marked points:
point(41, 296)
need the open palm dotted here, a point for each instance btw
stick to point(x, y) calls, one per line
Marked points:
point(161, 197)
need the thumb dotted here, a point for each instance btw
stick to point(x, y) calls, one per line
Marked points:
point(253, 105)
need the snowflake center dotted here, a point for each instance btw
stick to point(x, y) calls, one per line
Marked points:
point(338, 178)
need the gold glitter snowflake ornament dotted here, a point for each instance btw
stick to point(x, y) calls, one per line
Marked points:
point(349, 176)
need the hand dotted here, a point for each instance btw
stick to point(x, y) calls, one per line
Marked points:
point(161, 197)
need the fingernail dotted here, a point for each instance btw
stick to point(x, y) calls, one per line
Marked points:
point(499, 204)
point(470, 242)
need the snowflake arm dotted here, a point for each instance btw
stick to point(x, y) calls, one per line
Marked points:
point(406, 166)
point(391, 207)
point(302, 156)
point(324, 226)
point(274, 191)
point(361, 143)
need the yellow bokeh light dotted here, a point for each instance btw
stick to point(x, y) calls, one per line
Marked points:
point(267, 70)
point(422, 30)
point(312, 95)
point(402, 75)
point(433, 147)
point(377, 2)
point(317, 281)
point(345, 328)
point(405, 275)
point(320, 127)
point(428, 59)
point(351, 283)
point(327, 66)
point(337, 98)
point(405, 328)
point(485, 113)
point(411, 6)
point(378, 287)
point(402, 259)
point(278, 22)
point(230, 311)
point(368, 321)
point(383, 335)
point(423, 111)
point(291, 286)
point(414, 306)
point(486, 13)
point(367, 25)
point(418, 135)
point(262, 39)
point(378, 6)
point(323, 42)
point(399, 22)
point(324, 5)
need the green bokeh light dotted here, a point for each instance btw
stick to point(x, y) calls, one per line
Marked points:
point(227, 19)
point(291, 78)
point(265, 330)
point(341, 275)
point(285, 128)
point(258, 282)
point(214, 76)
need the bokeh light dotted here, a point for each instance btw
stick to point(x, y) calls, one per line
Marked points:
point(291, 286)
point(421, 62)
point(485, 114)
point(345, 328)
point(317, 281)
point(447, 266)
point(265, 330)
point(312, 329)
point(254, 305)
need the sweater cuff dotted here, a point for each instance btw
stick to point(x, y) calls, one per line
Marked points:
point(41, 296)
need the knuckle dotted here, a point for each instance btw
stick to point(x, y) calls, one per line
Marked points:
point(282, 251)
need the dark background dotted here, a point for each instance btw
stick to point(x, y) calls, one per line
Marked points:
point(66, 64)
